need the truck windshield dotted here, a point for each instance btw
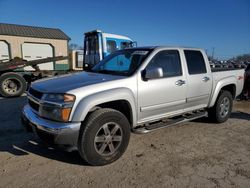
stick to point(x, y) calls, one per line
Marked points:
point(91, 49)
point(122, 62)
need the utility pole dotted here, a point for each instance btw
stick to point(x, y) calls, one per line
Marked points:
point(213, 49)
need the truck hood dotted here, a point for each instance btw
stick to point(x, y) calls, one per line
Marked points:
point(65, 83)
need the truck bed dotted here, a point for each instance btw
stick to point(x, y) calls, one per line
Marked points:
point(224, 69)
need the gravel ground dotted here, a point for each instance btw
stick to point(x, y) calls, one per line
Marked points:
point(194, 154)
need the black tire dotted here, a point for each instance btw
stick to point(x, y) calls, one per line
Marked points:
point(90, 148)
point(215, 113)
point(12, 85)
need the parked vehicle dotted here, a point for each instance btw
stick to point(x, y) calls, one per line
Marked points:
point(14, 79)
point(239, 65)
point(212, 64)
point(137, 89)
point(98, 45)
point(216, 64)
point(246, 88)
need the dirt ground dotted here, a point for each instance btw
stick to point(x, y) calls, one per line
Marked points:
point(194, 154)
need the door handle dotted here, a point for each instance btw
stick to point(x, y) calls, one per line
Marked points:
point(180, 82)
point(205, 79)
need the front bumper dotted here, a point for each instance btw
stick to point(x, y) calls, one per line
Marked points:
point(52, 132)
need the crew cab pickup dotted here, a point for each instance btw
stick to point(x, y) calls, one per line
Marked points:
point(132, 90)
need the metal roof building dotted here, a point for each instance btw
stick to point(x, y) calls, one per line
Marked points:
point(29, 42)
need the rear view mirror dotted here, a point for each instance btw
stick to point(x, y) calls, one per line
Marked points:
point(153, 73)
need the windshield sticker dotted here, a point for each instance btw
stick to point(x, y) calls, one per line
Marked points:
point(140, 52)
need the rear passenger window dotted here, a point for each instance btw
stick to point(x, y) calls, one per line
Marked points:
point(169, 61)
point(195, 62)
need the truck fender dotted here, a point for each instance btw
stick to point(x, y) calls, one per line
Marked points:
point(89, 102)
point(222, 83)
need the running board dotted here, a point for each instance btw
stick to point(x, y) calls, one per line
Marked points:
point(149, 127)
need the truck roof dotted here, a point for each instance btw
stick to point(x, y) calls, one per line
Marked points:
point(164, 47)
point(107, 34)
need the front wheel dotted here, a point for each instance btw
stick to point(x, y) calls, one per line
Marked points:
point(104, 137)
point(222, 108)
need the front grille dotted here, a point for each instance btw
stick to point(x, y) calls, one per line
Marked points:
point(35, 93)
point(33, 105)
point(33, 98)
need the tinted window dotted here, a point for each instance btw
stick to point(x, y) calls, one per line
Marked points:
point(169, 61)
point(195, 62)
point(111, 46)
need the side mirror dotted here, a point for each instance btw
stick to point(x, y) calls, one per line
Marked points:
point(153, 73)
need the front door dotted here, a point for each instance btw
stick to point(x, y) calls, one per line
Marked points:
point(164, 96)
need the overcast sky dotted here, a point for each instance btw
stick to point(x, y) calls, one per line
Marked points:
point(222, 24)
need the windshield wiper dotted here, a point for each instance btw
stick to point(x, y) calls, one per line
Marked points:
point(110, 72)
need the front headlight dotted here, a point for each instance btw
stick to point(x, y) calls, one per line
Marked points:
point(57, 106)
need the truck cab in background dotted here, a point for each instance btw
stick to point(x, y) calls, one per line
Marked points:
point(98, 45)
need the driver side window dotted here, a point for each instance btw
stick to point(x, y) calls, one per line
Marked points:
point(169, 61)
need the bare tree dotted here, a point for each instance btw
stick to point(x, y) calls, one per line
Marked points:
point(73, 46)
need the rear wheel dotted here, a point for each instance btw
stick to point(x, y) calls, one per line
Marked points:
point(12, 85)
point(104, 137)
point(222, 108)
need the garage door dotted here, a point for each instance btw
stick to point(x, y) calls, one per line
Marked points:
point(32, 51)
point(4, 51)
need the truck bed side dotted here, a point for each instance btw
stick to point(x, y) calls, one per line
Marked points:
point(234, 78)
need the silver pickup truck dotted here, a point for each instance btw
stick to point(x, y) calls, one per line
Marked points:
point(133, 90)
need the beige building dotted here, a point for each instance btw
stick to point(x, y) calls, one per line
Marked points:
point(31, 43)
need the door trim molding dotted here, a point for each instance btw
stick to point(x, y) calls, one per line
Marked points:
point(198, 98)
point(160, 106)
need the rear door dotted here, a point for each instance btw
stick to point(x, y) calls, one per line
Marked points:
point(199, 79)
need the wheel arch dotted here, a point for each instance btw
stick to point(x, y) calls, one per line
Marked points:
point(121, 99)
point(227, 85)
